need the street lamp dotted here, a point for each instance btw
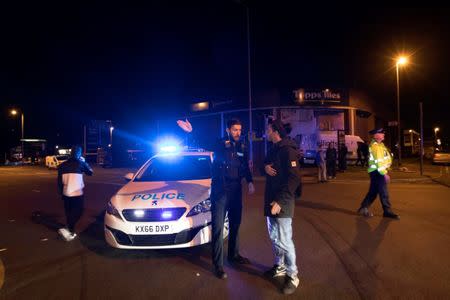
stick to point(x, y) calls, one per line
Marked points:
point(401, 60)
point(436, 129)
point(14, 112)
point(111, 128)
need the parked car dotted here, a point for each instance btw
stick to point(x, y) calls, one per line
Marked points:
point(166, 204)
point(441, 153)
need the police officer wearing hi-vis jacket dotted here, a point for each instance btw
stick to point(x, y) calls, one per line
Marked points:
point(380, 161)
point(230, 166)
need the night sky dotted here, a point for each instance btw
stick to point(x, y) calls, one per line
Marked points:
point(66, 64)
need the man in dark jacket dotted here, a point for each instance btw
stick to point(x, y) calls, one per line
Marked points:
point(343, 157)
point(331, 161)
point(70, 186)
point(230, 166)
point(282, 182)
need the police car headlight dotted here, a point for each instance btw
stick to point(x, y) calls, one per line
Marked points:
point(202, 207)
point(110, 209)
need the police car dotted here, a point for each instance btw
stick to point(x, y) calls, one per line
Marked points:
point(166, 204)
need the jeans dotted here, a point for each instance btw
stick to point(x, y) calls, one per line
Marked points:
point(280, 233)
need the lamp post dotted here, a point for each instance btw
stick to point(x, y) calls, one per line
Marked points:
point(249, 74)
point(22, 121)
point(402, 60)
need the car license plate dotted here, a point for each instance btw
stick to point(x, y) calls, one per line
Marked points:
point(153, 229)
point(309, 161)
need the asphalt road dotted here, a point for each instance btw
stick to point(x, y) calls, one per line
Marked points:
point(340, 255)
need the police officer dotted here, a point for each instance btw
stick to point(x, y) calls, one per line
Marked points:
point(379, 161)
point(230, 165)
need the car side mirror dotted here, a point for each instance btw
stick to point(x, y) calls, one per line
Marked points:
point(129, 176)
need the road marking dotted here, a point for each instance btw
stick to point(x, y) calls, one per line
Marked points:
point(44, 239)
point(3, 249)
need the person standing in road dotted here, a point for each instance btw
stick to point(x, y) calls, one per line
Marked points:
point(321, 165)
point(230, 166)
point(359, 154)
point(365, 153)
point(70, 186)
point(331, 161)
point(380, 161)
point(282, 186)
point(343, 157)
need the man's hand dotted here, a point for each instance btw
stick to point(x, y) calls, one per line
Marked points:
point(82, 159)
point(270, 170)
point(276, 208)
point(251, 188)
point(387, 178)
point(185, 125)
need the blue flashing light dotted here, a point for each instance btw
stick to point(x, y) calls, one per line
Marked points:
point(168, 148)
point(166, 215)
point(139, 213)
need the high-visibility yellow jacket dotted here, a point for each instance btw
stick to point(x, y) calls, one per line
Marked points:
point(379, 158)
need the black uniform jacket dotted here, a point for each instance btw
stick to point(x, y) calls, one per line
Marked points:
point(284, 187)
point(230, 164)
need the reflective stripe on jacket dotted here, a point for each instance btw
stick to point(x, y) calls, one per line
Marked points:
point(379, 158)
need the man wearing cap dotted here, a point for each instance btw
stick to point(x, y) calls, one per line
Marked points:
point(379, 161)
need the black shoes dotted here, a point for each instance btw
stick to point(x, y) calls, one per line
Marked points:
point(220, 273)
point(290, 285)
point(390, 214)
point(239, 260)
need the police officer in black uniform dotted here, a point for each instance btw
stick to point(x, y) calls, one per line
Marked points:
point(230, 165)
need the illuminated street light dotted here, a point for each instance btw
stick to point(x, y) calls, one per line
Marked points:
point(436, 129)
point(401, 60)
point(14, 112)
point(111, 128)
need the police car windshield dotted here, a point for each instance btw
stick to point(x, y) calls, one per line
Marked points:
point(174, 168)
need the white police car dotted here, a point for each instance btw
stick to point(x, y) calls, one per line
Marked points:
point(166, 204)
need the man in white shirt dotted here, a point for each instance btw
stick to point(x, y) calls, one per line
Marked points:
point(70, 186)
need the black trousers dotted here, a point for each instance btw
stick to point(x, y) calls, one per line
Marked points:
point(377, 187)
point(331, 168)
point(73, 207)
point(230, 199)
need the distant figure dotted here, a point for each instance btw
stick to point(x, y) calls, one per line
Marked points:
point(359, 154)
point(380, 162)
point(70, 186)
point(365, 153)
point(331, 157)
point(321, 165)
point(343, 158)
